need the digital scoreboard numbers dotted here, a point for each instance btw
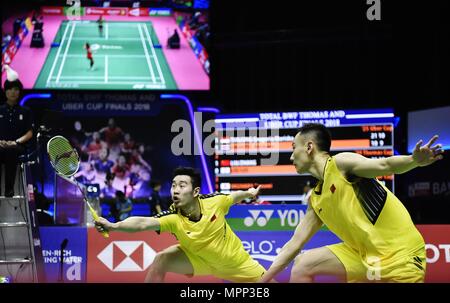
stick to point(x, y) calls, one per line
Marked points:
point(256, 148)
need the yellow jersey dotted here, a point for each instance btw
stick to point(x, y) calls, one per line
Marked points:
point(366, 216)
point(211, 242)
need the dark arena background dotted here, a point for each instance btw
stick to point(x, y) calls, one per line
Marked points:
point(222, 86)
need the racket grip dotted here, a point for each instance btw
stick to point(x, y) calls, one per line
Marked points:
point(95, 216)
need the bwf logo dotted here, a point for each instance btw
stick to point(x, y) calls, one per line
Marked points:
point(261, 217)
point(127, 256)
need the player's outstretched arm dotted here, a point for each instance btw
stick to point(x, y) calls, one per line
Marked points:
point(131, 224)
point(357, 165)
point(310, 224)
point(240, 195)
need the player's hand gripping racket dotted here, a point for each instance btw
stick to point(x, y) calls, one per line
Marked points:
point(64, 159)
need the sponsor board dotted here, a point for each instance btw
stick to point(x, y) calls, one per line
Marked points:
point(126, 257)
point(265, 246)
point(52, 10)
point(437, 245)
point(266, 217)
point(70, 242)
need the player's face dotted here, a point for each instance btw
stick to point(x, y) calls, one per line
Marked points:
point(182, 192)
point(300, 155)
point(13, 94)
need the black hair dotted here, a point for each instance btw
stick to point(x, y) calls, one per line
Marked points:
point(15, 83)
point(88, 45)
point(320, 133)
point(196, 178)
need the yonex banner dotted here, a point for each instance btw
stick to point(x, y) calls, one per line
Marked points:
point(266, 217)
point(71, 241)
point(160, 11)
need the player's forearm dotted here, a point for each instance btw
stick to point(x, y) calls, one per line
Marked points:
point(240, 195)
point(134, 224)
point(286, 255)
point(304, 231)
point(400, 164)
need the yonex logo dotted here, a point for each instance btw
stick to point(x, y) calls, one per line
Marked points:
point(261, 220)
point(127, 256)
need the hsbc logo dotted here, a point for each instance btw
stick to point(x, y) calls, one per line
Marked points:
point(120, 256)
point(261, 217)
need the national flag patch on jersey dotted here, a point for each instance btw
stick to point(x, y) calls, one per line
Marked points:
point(333, 188)
point(213, 218)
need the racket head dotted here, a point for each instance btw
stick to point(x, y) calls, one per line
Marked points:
point(63, 157)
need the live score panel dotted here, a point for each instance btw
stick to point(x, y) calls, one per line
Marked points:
point(244, 143)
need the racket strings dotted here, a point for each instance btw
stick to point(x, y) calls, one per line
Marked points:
point(63, 157)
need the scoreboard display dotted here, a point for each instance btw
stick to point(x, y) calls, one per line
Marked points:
point(256, 148)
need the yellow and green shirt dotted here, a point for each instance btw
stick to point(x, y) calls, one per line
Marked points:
point(365, 215)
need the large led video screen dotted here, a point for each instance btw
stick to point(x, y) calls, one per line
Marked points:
point(109, 48)
point(256, 148)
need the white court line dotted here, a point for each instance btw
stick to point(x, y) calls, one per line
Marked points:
point(104, 39)
point(57, 53)
point(111, 82)
point(135, 78)
point(82, 77)
point(154, 53)
point(146, 53)
point(109, 77)
point(106, 69)
point(119, 24)
point(102, 55)
point(65, 53)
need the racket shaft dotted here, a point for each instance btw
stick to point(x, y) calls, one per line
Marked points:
point(96, 218)
point(80, 187)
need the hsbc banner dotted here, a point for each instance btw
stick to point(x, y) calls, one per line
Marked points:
point(437, 244)
point(109, 11)
point(126, 257)
point(71, 241)
point(265, 246)
point(123, 257)
point(266, 217)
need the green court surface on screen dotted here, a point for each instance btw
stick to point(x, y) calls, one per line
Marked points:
point(126, 56)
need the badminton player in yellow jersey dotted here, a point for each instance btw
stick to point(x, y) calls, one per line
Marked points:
point(207, 245)
point(380, 241)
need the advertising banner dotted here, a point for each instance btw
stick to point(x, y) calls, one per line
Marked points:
point(437, 244)
point(266, 217)
point(138, 11)
point(264, 247)
point(71, 243)
point(126, 257)
point(52, 10)
point(109, 11)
